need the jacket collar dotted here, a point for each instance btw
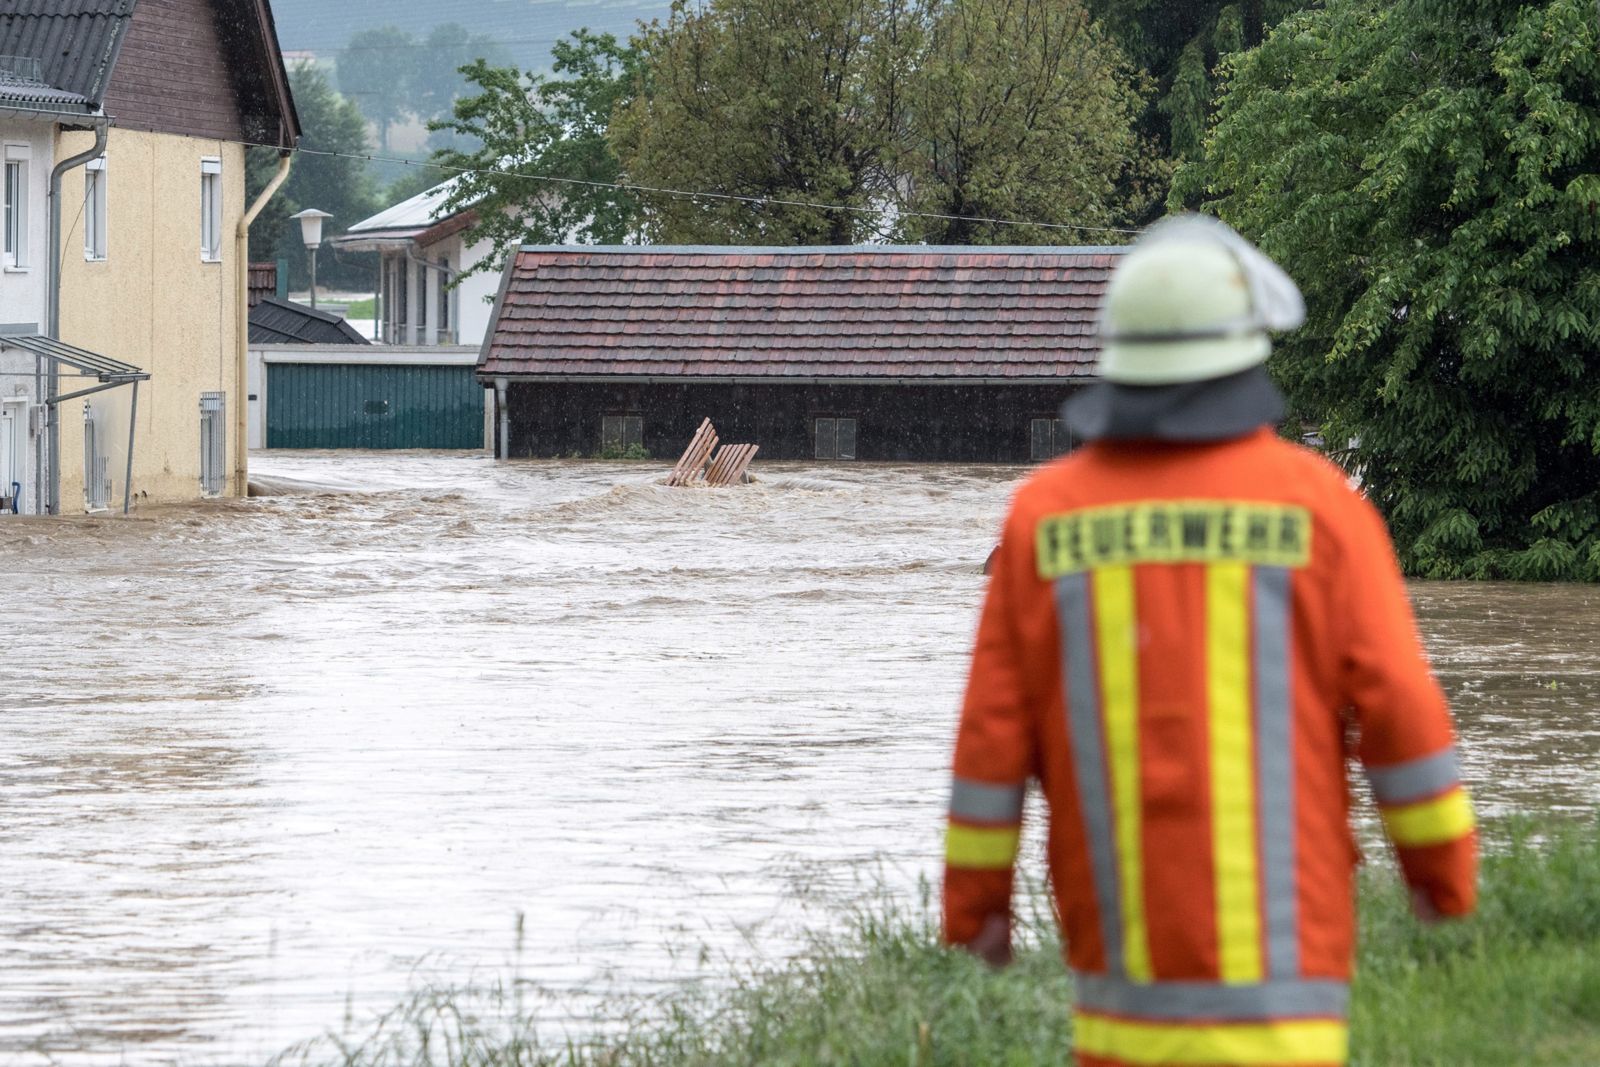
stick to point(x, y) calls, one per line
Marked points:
point(1216, 410)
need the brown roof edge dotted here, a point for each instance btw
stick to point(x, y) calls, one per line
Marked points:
point(289, 122)
point(447, 227)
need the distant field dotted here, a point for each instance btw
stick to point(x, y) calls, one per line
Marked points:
point(527, 28)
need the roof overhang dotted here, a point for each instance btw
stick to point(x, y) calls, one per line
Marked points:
point(777, 379)
point(387, 241)
point(109, 372)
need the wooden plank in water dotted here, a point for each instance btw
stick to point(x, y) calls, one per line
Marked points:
point(693, 462)
point(731, 464)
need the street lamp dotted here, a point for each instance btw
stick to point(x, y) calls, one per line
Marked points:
point(311, 233)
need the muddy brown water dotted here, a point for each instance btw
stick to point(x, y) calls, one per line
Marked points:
point(267, 764)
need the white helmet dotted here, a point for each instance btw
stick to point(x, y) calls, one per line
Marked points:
point(1191, 301)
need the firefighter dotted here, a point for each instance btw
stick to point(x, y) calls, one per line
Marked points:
point(1190, 625)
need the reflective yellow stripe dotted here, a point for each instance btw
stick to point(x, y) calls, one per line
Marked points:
point(1432, 822)
point(982, 847)
point(1239, 1044)
point(1233, 787)
point(1116, 633)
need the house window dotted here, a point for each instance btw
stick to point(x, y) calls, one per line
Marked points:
point(618, 433)
point(213, 443)
point(211, 210)
point(836, 438)
point(444, 302)
point(1050, 438)
point(96, 465)
point(16, 250)
point(94, 210)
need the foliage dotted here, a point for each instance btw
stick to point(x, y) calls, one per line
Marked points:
point(878, 110)
point(395, 76)
point(781, 100)
point(1520, 983)
point(1022, 109)
point(1180, 44)
point(542, 138)
point(623, 452)
point(1430, 173)
point(378, 69)
point(336, 183)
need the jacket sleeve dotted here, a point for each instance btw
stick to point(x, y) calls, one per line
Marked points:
point(1407, 744)
point(993, 760)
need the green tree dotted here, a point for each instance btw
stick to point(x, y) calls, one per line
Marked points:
point(378, 69)
point(1180, 43)
point(543, 170)
point(1429, 170)
point(335, 183)
point(438, 80)
point(1023, 109)
point(777, 100)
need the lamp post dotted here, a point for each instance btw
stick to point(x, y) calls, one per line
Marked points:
point(311, 233)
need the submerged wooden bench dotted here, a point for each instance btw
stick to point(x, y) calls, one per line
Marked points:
point(731, 465)
point(697, 466)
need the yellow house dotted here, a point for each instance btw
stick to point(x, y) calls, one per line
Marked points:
point(152, 253)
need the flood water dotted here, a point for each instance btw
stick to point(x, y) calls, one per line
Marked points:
point(268, 764)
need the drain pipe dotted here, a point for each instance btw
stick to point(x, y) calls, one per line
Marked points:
point(102, 131)
point(241, 384)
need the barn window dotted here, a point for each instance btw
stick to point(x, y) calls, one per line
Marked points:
point(1051, 438)
point(836, 438)
point(618, 433)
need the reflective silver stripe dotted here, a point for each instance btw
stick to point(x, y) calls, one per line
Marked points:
point(982, 802)
point(1274, 713)
point(1416, 779)
point(1089, 754)
point(1309, 998)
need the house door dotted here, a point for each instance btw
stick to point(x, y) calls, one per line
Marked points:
point(13, 449)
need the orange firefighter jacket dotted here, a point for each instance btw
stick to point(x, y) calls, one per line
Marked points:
point(1182, 644)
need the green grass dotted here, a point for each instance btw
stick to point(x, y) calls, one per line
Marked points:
point(1519, 984)
point(362, 309)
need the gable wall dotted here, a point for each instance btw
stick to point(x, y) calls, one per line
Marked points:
point(173, 76)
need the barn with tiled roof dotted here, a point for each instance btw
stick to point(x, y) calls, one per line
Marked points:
point(869, 353)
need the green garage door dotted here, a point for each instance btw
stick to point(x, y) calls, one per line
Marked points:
point(359, 405)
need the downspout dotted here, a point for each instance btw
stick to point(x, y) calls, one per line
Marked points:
point(102, 131)
point(241, 253)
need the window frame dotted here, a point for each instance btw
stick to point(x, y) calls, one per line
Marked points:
point(211, 194)
point(16, 207)
point(629, 430)
point(1060, 438)
point(96, 245)
point(834, 451)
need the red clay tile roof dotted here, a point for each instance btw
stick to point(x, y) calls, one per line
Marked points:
point(263, 282)
point(860, 312)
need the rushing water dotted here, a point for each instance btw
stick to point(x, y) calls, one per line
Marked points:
point(267, 763)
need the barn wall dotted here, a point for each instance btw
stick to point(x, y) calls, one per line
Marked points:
point(948, 423)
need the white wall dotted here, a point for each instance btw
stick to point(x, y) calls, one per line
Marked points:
point(23, 290)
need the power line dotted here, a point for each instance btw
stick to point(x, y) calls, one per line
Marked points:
point(632, 187)
point(656, 190)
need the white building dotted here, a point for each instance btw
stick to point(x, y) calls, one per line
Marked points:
point(421, 251)
point(29, 150)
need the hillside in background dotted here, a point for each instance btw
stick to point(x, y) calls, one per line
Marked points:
point(525, 28)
